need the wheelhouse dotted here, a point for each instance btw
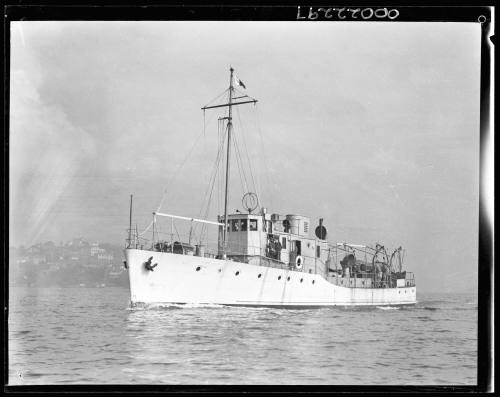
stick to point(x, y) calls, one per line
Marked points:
point(276, 238)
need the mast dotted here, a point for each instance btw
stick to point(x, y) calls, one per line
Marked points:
point(230, 104)
point(229, 126)
point(130, 224)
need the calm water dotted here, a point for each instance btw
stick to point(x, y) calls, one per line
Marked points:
point(91, 336)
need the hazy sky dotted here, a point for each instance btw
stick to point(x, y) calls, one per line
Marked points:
point(372, 126)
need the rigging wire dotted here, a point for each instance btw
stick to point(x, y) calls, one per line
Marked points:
point(204, 228)
point(221, 184)
point(246, 152)
point(211, 185)
point(240, 164)
point(216, 173)
point(217, 97)
point(243, 94)
point(205, 215)
point(179, 168)
point(178, 235)
point(243, 179)
point(219, 175)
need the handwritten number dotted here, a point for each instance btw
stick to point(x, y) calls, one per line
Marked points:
point(354, 12)
point(395, 14)
point(377, 13)
point(366, 13)
point(298, 14)
point(313, 14)
point(363, 14)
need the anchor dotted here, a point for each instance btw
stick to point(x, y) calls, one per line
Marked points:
point(148, 266)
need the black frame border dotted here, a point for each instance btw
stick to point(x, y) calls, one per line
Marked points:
point(153, 11)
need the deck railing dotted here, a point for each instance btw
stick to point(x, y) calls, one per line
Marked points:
point(372, 280)
point(312, 264)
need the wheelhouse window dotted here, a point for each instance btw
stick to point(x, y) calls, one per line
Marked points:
point(243, 225)
point(252, 225)
point(235, 225)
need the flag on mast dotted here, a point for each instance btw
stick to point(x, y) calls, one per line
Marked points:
point(237, 81)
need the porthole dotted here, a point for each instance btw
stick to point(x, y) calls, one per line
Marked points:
point(362, 283)
point(238, 272)
point(279, 277)
point(399, 292)
point(288, 278)
point(301, 279)
point(198, 269)
point(405, 291)
point(310, 270)
point(314, 281)
point(259, 276)
point(220, 270)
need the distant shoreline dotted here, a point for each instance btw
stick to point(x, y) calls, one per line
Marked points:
point(64, 286)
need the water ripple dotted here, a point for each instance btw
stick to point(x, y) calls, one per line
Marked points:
point(95, 337)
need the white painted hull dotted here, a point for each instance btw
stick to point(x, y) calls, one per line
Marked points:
point(176, 280)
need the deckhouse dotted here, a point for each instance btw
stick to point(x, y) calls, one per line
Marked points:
point(275, 238)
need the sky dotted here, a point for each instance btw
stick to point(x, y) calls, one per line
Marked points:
point(372, 126)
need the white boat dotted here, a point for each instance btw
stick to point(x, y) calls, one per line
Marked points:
point(261, 258)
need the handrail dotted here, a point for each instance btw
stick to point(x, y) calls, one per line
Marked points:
point(375, 282)
point(238, 249)
point(248, 253)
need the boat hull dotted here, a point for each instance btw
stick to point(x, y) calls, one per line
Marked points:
point(187, 279)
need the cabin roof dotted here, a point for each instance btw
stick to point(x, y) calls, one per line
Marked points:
point(244, 216)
